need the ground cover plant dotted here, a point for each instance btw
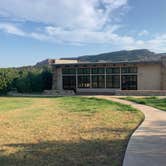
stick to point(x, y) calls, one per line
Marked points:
point(64, 131)
point(156, 102)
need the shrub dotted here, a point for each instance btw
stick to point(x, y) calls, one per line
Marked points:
point(25, 79)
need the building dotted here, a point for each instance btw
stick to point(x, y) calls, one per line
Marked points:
point(107, 77)
point(53, 61)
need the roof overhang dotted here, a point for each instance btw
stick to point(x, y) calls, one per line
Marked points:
point(88, 64)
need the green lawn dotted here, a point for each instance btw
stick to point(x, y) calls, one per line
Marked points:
point(64, 131)
point(156, 102)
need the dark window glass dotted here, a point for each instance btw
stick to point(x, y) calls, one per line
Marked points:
point(98, 70)
point(129, 69)
point(113, 81)
point(84, 81)
point(113, 70)
point(129, 82)
point(68, 71)
point(98, 81)
point(69, 82)
point(83, 71)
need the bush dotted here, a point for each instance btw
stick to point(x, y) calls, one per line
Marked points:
point(26, 79)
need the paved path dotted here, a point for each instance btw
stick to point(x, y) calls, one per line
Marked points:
point(147, 146)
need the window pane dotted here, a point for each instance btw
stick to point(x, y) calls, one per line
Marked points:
point(129, 69)
point(98, 81)
point(84, 81)
point(113, 81)
point(68, 71)
point(83, 71)
point(98, 70)
point(69, 82)
point(129, 82)
point(114, 70)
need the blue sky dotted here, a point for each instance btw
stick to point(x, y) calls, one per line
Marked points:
point(33, 30)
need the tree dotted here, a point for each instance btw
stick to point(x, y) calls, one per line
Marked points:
point(26, 79)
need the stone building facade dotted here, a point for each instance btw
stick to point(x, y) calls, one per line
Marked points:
point(110, 77)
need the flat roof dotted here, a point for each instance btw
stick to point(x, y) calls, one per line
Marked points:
point(105, 63)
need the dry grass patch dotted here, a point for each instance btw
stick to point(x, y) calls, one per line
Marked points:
point(64, 131)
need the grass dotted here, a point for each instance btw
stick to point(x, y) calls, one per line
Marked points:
point(64, 131)
point(156, 102)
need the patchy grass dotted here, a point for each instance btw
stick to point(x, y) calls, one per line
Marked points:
point(78, 104)
point(156, 102)
point(14, 103)
point(64, 131)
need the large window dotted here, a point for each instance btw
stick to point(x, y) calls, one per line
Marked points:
point(126, 70)
point(129, 82)
point(100, 77)
point(84, 71)
point(68, 71)
point(129, 78)
point(98, 70)
point(84, 81)
point(69, 82)
point(113, 70)
point(98, 81)
point(113, 81)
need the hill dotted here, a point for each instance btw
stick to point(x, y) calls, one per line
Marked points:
point(124, 55)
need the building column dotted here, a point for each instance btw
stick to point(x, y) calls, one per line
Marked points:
point(120, 78)
point(57, 79)
point(163, 73)
point(90, 78)
point(76, 78)
point(105, 78)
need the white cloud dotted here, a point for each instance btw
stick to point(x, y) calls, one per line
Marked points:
point(74, 22)
point(58, 35)
point(11, 29)
point(82, 35)
point(143, 33)
point(75, 14)
point(65, 20)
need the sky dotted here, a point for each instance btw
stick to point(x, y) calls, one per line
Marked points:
point(34, 30)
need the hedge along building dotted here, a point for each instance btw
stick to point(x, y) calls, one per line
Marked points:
point(107, 77)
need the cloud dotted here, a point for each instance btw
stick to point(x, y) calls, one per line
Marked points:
point(78, 22)
point(73, 14)
point(15, 30)
point(74, 21)
point(143, 33)
point(84, 37)
point(81, 36)
point(11, 29)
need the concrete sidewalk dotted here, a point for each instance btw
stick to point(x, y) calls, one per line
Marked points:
point(147, 145)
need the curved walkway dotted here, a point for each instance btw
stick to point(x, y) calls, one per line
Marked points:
point(147, 145)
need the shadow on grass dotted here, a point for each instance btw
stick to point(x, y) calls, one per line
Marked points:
point(61, 153)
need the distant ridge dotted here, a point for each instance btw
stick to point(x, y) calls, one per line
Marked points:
point(142, 55)
point(124, 55)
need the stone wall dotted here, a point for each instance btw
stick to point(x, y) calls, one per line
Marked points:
point(57, 79)
point(149, 76)
point(163, 73)
point(125, 93)
point(58, 93)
